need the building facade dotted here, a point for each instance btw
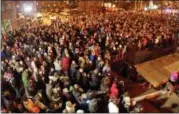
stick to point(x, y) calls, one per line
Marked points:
point(8, 13)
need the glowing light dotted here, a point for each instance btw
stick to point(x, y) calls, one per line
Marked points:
point(53, 17)
point(145, 8)
point(151, 3)
point(171, 11)
point(154, 7)
point(39, 14)
point(167, 10)
point(113, 5)
point(21, 16)
point(108, 5)
point(27, 8)
point(151, 6)
point(105, 4)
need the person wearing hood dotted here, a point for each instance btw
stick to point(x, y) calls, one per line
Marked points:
point(57, 64)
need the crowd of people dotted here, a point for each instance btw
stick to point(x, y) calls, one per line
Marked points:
point(66, 66)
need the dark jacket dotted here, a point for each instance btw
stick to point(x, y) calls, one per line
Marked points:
point(78, 77)
point(93, 105)
point(85, 83)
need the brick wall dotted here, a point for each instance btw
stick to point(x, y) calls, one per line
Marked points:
point(8, 12)
point(89, 5)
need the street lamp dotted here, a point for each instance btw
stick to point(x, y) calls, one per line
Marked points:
point(27, 8)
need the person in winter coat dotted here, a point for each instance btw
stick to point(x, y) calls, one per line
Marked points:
point(65, 63)
point(57, 65)
point(126, 101)
point(95, 82)
point(77, 91)
point(67, 95)
point(85, 82)
point(112, 106)
point(49, 90)
point(79, 74)
point(73, 70)
point(25, 80)
point(106, 68)
point(70, 108)
point(114, 91)
point(93, 105)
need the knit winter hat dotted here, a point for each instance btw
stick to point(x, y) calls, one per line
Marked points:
point(65, 90)
point(80, 111)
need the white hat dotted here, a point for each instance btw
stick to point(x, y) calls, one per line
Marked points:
point(84, 95)
point(73, 62)
point(20, 69)
point(13, 57)
point(81, 70)
point(21, 63)
point(52, 69)
point(99, 58)
point(65, 90)
point(55, 90)
point(76, 86)
point(113, 108)
point(120, 46)
point(80, 111)
point(53, 78)
point(45, 54)
point(28, 58)
point(96, 71)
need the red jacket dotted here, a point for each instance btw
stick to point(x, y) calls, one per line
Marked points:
point(65, 63)
point(114, 91)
